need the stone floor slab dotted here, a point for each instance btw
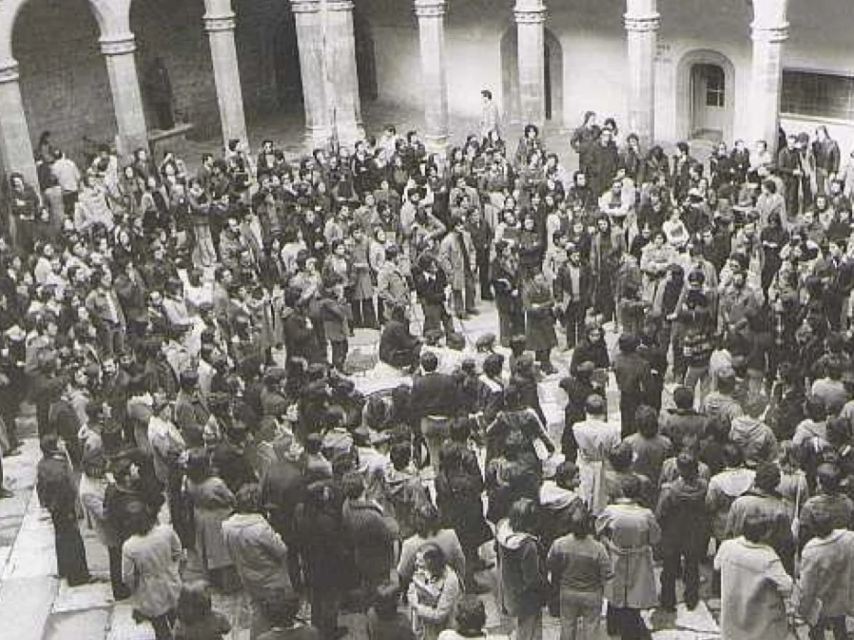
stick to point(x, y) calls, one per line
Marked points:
point(25, 605)
point(88, 624)
point(88, 596)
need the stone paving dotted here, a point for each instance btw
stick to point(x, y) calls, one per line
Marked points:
point(36, 605)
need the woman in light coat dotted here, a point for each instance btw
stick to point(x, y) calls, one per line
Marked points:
point(258, 553)
point(631, 532)
point(754, 585)
point(150, 569)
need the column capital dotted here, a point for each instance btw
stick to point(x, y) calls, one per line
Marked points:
point(9, 71)
point(340, 5)
point(430, 8)
point(305, 6)
point(529, 11)
point(769, 33)
point(219, 22)
point(118, 44)
point(648, 22)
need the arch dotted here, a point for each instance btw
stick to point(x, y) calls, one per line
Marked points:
point(67, 93)
point(553, 67)
point(684, 98)
point(366, 63)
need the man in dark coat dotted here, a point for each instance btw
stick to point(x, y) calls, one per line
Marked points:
point(398, 347)
point(55, 488)
point(633, 375)
point(282, 490)
point(430, 282)
point(578, 387)
point(434, 400)
point(191, 412)
point(300, 337)
point(684, 522)
point(574, 289)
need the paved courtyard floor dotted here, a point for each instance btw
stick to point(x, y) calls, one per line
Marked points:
point(36, 605)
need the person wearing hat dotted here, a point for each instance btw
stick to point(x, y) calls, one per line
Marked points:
point(633, 374)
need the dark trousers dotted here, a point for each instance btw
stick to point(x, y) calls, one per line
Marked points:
point(325, 604)
point(436, 317)
point(573, 323)
point(70, 553)
point(120, 591)
point(339, 353)
point(483, 274)
point(163, 626)
point(627, 623)
point(836, 625)
point(628, 406)
point(69, 202)
point(163, 115)
point(690, 564)
point(364, 315)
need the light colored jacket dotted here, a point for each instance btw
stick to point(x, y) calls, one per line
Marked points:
point(753, 586)
point(150, 569)
point(258, 553)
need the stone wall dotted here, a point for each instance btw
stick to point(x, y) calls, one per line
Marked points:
point(64, 80)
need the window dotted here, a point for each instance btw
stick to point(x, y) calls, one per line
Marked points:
point(715, 84)
point(822, 95)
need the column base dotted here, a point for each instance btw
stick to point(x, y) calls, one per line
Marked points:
point(316, 138)
point(349, 133)
point(127, 144)
point(436, 143)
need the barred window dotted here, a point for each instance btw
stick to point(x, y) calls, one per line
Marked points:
point(821, 95)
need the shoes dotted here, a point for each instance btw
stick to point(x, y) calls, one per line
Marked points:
point(5, 493)
point(463, 316)
point(473, 312)
point(691, 605)
point(13, 452)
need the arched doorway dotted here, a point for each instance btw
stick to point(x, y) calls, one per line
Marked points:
point(553, 71)
point(706, 83)
point(366, 64)
point(64, 82)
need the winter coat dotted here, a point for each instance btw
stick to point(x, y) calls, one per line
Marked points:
point(580, 564)
point(404, 496)
point(150, 569)
point(258, 554)
point(539, 311)
point(753, 587)
point(631, 531)
point(767, 506)
point(522, 578)
point(373, 536)
point(755, 439)
point(683, 518)
point(323, 546)
point(458, 258)
point(212, 505)
point(827, 576)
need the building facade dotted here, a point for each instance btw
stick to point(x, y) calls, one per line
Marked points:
point(666, 69)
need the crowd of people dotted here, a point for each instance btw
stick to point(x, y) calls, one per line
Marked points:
point(184, 336)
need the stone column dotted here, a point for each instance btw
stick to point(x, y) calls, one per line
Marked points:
point(769, 30)
point(229, 94)
point(642, 22)
point(16, 148)
point(342, 77)
point(119, 50)
point(434, 80)
point(530, 17)
point(313, 71)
